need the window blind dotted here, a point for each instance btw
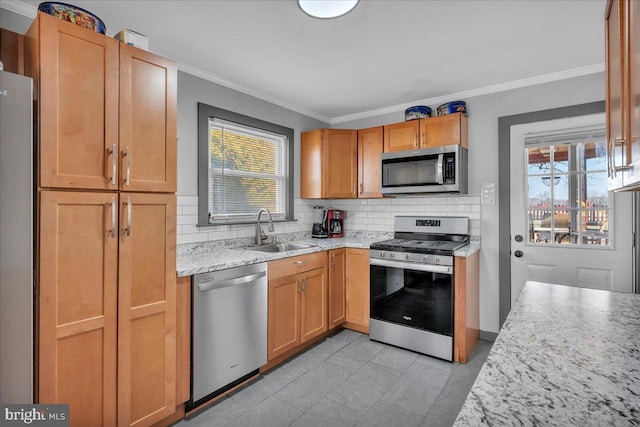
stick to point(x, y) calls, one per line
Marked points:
point(247, 171)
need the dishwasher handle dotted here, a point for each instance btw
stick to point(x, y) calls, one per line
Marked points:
point(209, 286)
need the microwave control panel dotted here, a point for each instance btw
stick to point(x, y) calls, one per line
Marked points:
point(449, 168)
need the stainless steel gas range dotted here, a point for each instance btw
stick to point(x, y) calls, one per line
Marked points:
point(412, 284)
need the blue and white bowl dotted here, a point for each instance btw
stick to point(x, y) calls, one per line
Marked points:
point(452, 107)
point(74, 14)
point(417, 112)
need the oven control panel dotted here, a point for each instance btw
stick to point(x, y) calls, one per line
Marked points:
point(412, 257)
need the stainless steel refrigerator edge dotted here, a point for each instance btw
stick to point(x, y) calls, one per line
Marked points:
point(16, 238)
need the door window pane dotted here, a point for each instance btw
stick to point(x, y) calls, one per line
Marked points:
point(568, 198)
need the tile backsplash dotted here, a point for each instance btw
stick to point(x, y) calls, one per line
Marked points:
point(361, 215)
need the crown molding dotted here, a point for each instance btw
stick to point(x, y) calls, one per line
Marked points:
point(516, 84)
point(29, 11)
point(189, 69)
point(19, 7)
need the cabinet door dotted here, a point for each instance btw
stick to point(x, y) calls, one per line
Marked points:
point(313, 304)
point(370, 146)
point(78, 97)
point(284, 315)
point(615, 89)
point(147, 308)
point(77, 302)
point(311, 165)
point(340, 163)
point(337, 283)
point(148, 87)
point(357, 289)
point(401, 136)
point(632, 177)
point(450, 129)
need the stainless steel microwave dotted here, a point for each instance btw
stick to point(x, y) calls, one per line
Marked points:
point(430, 170)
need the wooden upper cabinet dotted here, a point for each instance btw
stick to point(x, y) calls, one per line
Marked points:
point(450, 129)
point(148, 121)
point(615, 65)
point(337, 284)
point(623, 93)
point(146, 308)
point(632, 176)
point(77, 79)
point(78, 275)
point(340, 151)
point(370, 146)
point(328, 164)
point(401, 136)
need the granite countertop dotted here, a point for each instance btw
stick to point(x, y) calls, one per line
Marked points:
point(565, 356)
point(206, 258)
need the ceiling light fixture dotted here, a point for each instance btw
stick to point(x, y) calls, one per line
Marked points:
point(327, 9)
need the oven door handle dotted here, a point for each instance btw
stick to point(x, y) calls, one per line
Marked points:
point(444, 269)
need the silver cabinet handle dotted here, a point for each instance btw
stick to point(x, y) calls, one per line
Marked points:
point(415, 140)
point(127, 154)
point(304, 288)
point(208, 286)
point(299, 284)
point(114, 164)
point(113, 217)
point(617, 143)
point(128, 229)
point(423, 142)
point(301, 262)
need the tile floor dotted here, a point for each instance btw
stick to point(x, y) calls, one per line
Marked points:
point(348, 380)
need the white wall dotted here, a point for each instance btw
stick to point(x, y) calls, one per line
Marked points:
point(484, 112)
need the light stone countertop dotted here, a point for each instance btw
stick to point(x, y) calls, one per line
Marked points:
point(566, 356)
point(205, 258)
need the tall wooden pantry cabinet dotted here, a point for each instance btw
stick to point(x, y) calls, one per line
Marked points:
point(106, 225)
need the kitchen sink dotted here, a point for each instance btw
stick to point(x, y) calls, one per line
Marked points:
point(278, 247)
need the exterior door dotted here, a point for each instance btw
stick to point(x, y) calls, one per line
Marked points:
point(79, 98)
point(148, 125)
point(146, 308)
point(77, 304)
point(566, 227)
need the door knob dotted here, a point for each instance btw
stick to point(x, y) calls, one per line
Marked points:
point(518, 254)
point(518, 238)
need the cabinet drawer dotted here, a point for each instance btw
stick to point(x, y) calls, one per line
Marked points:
point(297, 264)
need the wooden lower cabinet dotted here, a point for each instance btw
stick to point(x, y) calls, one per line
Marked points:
point(283, 315)
point(297, 307)
point(146, 308)
point(337, 287)
point(466, 314)
point(313, 304)
point(77, 293)
point(357, 290)
point(107, 313)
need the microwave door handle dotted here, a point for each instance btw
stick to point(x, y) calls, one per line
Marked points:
point(439, 178)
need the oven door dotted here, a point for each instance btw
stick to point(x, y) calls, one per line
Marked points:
point(418, 296)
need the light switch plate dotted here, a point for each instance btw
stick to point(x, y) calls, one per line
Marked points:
point(488, 193)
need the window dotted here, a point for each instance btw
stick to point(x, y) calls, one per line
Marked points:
point(244, 165)
point(568, 197)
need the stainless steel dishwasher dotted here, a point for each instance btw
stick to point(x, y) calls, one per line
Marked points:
point(229, 329)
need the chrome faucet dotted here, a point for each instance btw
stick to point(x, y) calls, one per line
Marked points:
point(259, 232)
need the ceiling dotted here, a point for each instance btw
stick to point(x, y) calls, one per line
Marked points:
point(383, 56)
